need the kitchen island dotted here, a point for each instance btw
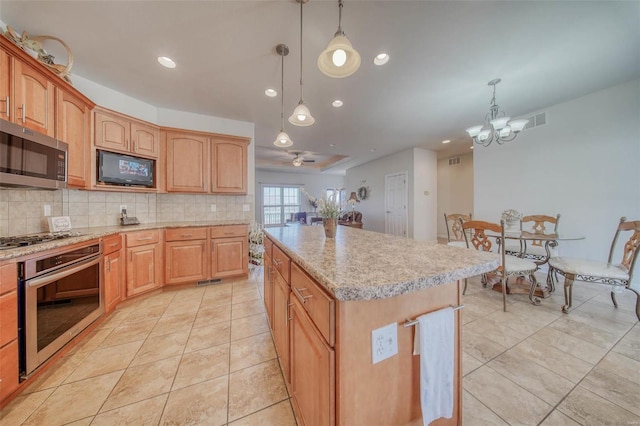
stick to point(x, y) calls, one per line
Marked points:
point(324, 297)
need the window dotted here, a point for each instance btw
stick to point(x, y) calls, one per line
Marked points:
point(279, 202)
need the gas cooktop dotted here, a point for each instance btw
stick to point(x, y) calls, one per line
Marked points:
point(7, 243)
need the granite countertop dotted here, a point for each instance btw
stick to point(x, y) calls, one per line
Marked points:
point(364, 265)
point(87, 234)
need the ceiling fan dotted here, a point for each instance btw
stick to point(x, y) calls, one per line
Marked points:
point(299, 159)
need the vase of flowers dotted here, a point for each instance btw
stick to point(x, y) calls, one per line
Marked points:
point(329, 210)
point(511, 218)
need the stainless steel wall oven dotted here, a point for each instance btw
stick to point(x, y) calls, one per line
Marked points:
point(59, 295)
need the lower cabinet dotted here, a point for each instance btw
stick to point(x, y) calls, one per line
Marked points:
point(268, 287)
point(144, 262)
point(9, 375)
point(312, 370)
point(229, 251)
point(185, 255)
point(113, 271)
point(280, 322)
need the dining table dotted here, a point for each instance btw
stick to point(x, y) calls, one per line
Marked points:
point(529, 239)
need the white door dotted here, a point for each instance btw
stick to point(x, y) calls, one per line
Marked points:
point(395, 199)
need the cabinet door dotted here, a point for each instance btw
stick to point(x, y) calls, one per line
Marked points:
point(5, 85)
point(185, 261)
point(312, 371)
point(229, 257)
point(268, 288)
point(8, 369)
point(34, 100)
point(187, 163)
point(145, 140)
point(280, 323)
point(8, 317)
point(74, 128)
point(113, 279)
point(111, 132)
point(229, 167)
point(143, 269)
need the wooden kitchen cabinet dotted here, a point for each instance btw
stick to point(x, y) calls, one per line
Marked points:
point(74, 127)
point(113, 271)
point(144, 262)
point(187, 166)
point(268, 280)
point(229, 251)
point(5, 85)
point(313, 370)
point(280, 324)
point(185, 255)
point(229, 165)
point(118, 132)
point(9, 375)
point(34, 99)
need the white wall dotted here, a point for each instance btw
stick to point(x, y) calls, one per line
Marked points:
point(584, 164)
point(455, 189)
point(315, 184)
point(425, 194)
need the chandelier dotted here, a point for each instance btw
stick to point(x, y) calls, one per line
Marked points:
point(301, 115)
point(499, 128)
point(339, 59)
point(282, 140)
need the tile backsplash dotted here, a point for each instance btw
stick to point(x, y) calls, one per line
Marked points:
point(23, 211)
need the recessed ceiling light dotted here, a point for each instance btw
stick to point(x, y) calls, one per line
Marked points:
point(332, 145)
point(337, 103)
point(471, 146)
point(446, 141)
point(372, 149)
point(166, 62)
point(381, 59)
point(272, 93)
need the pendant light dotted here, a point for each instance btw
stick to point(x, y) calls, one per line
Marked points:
point(301, 115)
point(339, 59)
point(282, 140)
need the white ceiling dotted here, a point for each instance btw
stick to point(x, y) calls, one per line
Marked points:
point(442, 56)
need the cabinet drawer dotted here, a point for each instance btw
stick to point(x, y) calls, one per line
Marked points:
point(282, 263)
point(319, 305)
point(8, 317)
point(268, 247)
point(111, 244)
point(8, 369)
point(185, 234)
point(229, 231)
point(141, 238)
point(8, 277)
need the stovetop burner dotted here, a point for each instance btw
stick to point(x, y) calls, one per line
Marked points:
point(7, 243)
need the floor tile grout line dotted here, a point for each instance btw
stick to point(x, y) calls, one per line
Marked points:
point(487, 407)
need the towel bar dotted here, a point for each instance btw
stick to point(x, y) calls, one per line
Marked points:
point(411, 323)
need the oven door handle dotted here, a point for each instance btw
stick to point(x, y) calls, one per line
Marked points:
point(65, 272)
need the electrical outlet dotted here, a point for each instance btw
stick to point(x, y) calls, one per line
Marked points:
point(47, 210)
point(246, 207)
point(384, 342)
point(123, 207)
point(213, 208)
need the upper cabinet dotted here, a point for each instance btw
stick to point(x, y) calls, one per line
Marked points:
point(117, 132)
point(34, 97)
point(229, 166)
point(205, 163)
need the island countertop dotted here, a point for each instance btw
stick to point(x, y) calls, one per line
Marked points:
point(365, 265)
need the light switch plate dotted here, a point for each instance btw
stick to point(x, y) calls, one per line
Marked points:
point(213, 208)
point(246, 207)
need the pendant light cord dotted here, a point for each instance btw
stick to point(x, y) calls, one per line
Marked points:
point(339, 32)
point(301, 3)
point(282, 93)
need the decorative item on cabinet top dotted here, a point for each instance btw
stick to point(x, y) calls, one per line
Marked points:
point(33, 46)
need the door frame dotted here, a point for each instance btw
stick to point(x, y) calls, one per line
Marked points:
point(406, 199)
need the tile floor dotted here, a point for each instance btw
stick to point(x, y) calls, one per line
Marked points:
point(204, 355)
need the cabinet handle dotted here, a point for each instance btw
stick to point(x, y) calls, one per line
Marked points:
point(145, 239)
point(213, 246)
point(109, 265)
point(113, 245)
point(186, 235)
point(277, 262)
point(23, 115)
point(8, 109)
point(134, 145)
point(228, 233)
point(289, 311)
point(131, 256)
point(302, 298)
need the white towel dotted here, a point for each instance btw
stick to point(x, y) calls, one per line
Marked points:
point(434, 342)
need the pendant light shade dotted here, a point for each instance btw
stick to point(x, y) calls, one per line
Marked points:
point(339, 59)
point(282, 140)
point(301, 115)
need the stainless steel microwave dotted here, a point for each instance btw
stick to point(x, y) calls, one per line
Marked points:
point(31, 159)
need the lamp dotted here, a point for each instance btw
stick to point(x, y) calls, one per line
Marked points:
point(353, 199)
point(339, 59)
point(301, 115)
point(500, 128)
point(282, 140)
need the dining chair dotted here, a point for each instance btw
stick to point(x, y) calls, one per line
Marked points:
point(617, 276)
point(535, 249)
point(454, 228)
point(475, 234)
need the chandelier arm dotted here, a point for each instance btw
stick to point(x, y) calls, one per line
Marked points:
point(511, 137)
